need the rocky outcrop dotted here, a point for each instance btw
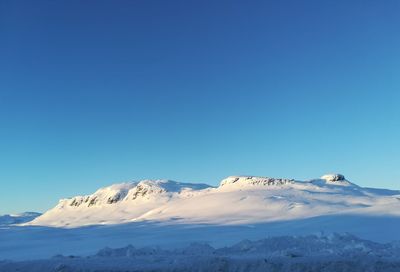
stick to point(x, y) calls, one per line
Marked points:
point(336, 179)
point(333, 177)
point(251, 180)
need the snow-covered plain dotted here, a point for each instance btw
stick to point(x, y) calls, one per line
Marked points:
point(330, 253)
point(172, 215)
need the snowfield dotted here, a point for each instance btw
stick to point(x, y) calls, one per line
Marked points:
point(308, 253)
point(225, 227)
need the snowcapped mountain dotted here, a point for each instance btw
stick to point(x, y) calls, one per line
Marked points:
point(238, 200)
point(11, 219)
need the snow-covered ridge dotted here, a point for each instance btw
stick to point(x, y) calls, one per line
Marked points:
point(146, 189)
point(250, 180)
point(129, 191)
point(238, 200)
point(109, 195)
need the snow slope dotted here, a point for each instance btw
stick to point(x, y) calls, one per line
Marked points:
point(238, 200)
point(118, 203)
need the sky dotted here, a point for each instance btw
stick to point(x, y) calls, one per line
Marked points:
point(98, 92)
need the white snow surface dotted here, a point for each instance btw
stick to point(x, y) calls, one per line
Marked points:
point(171, 215)
point(238, 200)
point(331, 253)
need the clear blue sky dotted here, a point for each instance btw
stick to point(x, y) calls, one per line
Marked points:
point(97, 92)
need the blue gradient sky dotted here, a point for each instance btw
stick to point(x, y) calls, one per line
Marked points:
point(97, 92)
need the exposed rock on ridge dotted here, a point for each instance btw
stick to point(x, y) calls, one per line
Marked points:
point(250, 180)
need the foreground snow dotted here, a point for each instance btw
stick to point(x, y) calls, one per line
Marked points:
point(288, 253)
point(35, 242)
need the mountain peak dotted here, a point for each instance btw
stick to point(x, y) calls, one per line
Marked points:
point(336, 179)
point(333, 177)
